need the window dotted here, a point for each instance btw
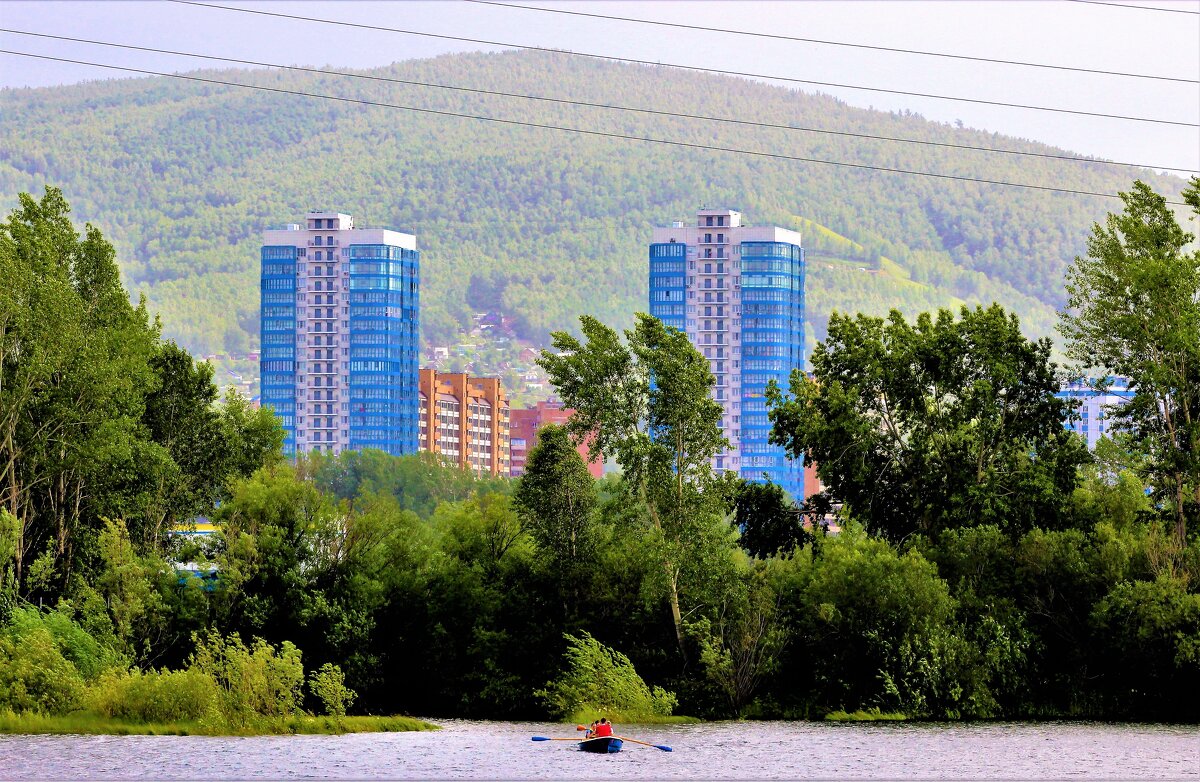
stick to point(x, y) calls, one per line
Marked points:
point(720, 238)
point(708, 220)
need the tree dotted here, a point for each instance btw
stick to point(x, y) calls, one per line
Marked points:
point(556, 500)
point(1134, 311)
point(769, 524)
point(938, 424)
point(648, 403)
point(73, 371)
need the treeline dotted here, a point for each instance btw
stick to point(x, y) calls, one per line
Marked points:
point(185, 176)
point(969, 558)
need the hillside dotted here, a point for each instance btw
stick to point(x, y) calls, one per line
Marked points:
point(182, 177)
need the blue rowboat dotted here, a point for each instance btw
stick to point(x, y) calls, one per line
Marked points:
point(602, 744)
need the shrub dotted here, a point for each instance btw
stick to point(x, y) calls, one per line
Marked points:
point(254, 681)
point(34, 675)
point(90, 657)
point(603, 680)
point(189, 695)
point(329, 686)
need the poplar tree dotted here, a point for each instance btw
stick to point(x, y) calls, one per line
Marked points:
point(556, 500)
point(647, 402)
point(1134, 311)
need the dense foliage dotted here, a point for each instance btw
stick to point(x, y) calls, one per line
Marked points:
point(379, 584)
point(185, 176)
point(1134, 312)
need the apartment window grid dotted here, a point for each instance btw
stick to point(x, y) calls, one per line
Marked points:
point(668, 283)
point(383, 307)
point(277, 325)
point(772, 291)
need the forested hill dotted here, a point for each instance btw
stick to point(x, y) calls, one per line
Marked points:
point(183, 176)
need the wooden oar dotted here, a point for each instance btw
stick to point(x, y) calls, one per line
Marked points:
point(545, 738)
point(663, 747)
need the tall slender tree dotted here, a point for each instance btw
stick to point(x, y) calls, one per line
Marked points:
point(556, 500)
point(647, 402)
point(1134, 311)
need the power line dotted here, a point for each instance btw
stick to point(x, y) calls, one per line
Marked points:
point(697, 68)
point(587, 104)
point(778, 37)
point(582, 131)
point(1139, 7)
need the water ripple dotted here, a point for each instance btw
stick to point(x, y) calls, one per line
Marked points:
point(722, 750)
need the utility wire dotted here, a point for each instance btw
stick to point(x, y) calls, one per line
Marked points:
point(587, 104)
point(582, 131)
point(778, 37)
point(697, 68)
point(1139, 7)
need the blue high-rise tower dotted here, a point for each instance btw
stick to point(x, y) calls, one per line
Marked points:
point(738, 293)
point(340, 335)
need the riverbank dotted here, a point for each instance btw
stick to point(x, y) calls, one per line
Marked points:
point(87, 723)
point(584, 717)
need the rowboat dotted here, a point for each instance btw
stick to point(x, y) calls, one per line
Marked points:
point(601, 744)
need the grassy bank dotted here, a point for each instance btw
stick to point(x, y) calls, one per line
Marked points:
point(871, 715)
point(93, 724)
point(585, 717)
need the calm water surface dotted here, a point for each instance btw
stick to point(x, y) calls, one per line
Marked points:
point(503, 750)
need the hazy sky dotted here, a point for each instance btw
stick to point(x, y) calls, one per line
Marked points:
point(1060, 32)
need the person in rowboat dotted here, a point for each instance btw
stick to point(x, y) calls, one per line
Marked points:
point(605, 728)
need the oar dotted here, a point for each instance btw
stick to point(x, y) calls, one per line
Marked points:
point(663, 747)
point(545, 738)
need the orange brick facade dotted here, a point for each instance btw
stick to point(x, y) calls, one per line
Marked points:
point(465, 420)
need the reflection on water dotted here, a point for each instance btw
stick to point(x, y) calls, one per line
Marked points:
point(724, 750)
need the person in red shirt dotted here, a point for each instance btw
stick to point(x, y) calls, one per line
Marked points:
point(604, 728)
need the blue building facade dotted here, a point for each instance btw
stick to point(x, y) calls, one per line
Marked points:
point(772, 328)
point(277, 327)
point(340, 335)
point(738, 293)
point(384, 347)
point(1094, 407)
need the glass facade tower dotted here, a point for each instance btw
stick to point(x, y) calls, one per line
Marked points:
point(340, 333)
point(737, 291)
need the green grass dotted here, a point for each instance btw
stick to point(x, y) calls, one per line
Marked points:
point(870, 715)
point(93, 724)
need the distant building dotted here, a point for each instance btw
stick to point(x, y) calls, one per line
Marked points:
point(340, 335)
point(465, 420)
point(1093, 420)
point(738, 293)
point(524, 438)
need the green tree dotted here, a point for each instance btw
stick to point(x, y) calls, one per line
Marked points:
point(1134, 311)
point(73, 371)
point(648, 403)
point(933, 425)
point(556, 500)
point(1147, 634)
point(768, 523)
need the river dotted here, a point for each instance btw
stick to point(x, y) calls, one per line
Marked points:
point(722, 750)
